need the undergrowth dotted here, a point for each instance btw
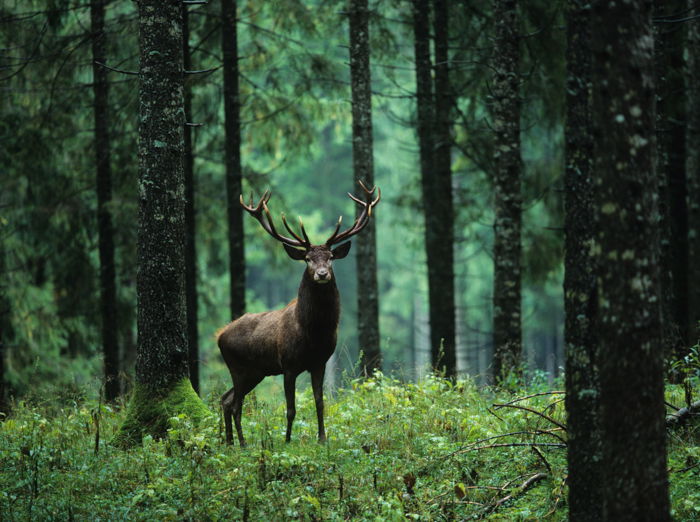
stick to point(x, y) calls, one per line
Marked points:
point(430, 451)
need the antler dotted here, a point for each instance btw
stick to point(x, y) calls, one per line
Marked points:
point(362, 220)
point(262, 214)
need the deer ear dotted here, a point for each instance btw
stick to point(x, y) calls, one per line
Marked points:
point(341, 251)
point(294, 253)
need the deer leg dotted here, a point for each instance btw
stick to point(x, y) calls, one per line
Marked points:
point(317, 385)
point(289, 382)
point(241, 388)
point(227, 407)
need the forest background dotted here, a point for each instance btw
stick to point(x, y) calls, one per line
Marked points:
point(296, 141)
point(473, 107)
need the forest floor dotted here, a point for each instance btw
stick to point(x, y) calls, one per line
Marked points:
point(429, 451)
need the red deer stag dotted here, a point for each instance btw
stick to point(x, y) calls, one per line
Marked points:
point(301, 336)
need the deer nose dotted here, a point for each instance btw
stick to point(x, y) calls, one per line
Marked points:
point(322, 273)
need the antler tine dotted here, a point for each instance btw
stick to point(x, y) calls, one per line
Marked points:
point(364, 187)
point(305, 241)
point(262, 214)
point(335, 232)
point(362, 220)
point(303, 231)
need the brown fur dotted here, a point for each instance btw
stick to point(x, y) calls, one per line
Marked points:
point(299, 337)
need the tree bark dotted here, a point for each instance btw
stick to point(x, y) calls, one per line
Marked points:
point(105, 228)
point(671, 144)
point(582, 385)
point(363, 167)
point(440, 304)
point(629, 320)
point(442, 212)
point(162, 386)
point(693, 176)
point(234, 172)
point(6, 332)
point(507, 335)
point(190, 229)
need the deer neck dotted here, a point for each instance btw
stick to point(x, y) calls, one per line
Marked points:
point(318, 305)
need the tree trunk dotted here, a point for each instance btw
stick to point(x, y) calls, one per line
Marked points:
point(629, 320)
point(439, 303)
point(693, 176)
point(6, 333)
point(234, 173)
point(441, 209)
point(162, 386)
point(507, 335)
point(108, 289)
point(582, 386)
point(363, 166)
point(190, 233)
point(672, 175)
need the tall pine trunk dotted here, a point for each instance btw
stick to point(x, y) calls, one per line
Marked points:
point(363, 166)
point(671, 115)
point(693, 175)
point(582, 386)
point(190, 233)
point(162, 389)
point(234, 173)
point(6, 333)
point(507, 335)
point(105, 228)
point(441, 209)
point(629, 319)
point(441, 308)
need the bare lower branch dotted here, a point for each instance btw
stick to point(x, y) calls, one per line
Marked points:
point(122, 71)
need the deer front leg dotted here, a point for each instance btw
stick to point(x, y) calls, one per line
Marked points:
point(289, 382)
point(317, 385)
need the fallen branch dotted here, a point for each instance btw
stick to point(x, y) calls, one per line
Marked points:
point(537, 451)
point(672, 406)
point(520, 490)
point(556, 392)
point(512, 445)
point(531, 410)
point(681, 416)
point(502, 435)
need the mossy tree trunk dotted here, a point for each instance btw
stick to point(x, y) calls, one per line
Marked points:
point(105, 228)
point(505, 109)
point(234, 172)
point(162, 387)
point(628, 324)
point(190, 233)
point(582, 386)
point(363, 167)
point(671, 115)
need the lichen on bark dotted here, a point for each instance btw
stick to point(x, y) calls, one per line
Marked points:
point(162, 385)
point(505, 110)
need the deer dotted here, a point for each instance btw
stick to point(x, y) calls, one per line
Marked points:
point(301, 336)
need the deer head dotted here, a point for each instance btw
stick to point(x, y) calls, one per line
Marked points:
point(318, 258)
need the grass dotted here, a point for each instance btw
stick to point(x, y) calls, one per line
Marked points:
point(396, 451)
